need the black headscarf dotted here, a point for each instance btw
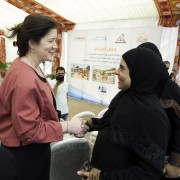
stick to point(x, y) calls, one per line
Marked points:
point(170, 97)
point(152, 47)
point(138, 121)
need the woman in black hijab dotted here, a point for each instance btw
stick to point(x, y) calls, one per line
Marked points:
point(135, 131)
point(170, 100)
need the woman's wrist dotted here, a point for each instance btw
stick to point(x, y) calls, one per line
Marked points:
point(64, 125)
point(89, 123)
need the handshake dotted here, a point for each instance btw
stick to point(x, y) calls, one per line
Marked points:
point(77, 126)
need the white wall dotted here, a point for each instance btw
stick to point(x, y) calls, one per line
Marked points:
point(11, 51)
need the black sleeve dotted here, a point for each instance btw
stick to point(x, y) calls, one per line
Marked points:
point(143, 171)
point(100, 123)
point(174, 147)
point(175, 130)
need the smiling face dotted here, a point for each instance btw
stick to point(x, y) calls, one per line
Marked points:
point(45, 50)
point(123, 76)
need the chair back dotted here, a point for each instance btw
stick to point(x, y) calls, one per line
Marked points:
point(67, 156)
point(84, 114)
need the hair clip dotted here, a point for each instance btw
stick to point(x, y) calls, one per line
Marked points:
point(14, 43)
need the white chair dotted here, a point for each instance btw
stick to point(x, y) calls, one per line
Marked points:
point(101, 113)
point(62, 120)
point(67, 156)
point(85, 114)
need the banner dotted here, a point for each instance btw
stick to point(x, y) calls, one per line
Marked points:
point(94, 55)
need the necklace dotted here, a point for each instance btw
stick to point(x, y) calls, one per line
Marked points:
point(37, 69)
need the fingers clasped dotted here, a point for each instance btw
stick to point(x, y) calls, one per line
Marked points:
point(171, 171)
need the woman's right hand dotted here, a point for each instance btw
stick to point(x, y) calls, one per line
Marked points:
point(85, 126)
point(76, 126)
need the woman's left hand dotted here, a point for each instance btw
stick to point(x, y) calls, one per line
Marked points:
point(94, 174)
point(171, 171)
point(83, 174)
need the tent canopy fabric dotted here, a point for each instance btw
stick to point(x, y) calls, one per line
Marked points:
point(72, 12)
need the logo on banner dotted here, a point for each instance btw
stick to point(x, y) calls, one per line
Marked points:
point(79, 38)
point(142, 38)
point(99, 38)
point(121, 39)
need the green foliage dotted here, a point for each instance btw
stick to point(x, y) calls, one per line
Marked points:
point(4, 66)
point(51, 76)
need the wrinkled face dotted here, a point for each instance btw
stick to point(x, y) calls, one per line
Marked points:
point(123, 76)
point(46, 49)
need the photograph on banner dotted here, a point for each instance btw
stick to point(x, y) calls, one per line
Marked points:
point(104, 74)
point(80, 71)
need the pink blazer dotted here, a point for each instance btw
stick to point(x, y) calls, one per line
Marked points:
point(27, 113)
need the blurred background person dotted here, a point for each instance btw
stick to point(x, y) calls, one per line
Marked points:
point(167, 63)
point(60, 89)
point(170, 101)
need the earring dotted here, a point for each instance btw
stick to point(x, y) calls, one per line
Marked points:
point(33, 51)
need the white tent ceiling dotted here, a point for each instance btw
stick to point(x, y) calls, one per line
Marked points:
point(83, 11)
point(10, 15)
